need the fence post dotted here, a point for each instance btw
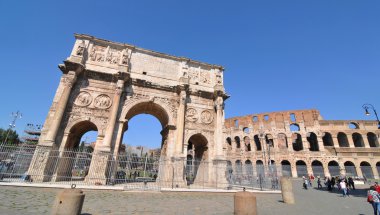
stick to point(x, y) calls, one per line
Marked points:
point(68, 201)
point(245, 203)
point(287, 190)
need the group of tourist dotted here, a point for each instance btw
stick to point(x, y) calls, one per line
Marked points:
point(343, 184)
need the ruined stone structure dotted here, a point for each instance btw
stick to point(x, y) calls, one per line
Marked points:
point(104, 84)
point(303, 144)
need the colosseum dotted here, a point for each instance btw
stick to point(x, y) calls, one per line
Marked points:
point(302, 143)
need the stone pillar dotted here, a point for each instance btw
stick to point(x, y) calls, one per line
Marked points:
point(358, 170)
point(287, 190)
point(305, 144)
point(350, 141)
point(365, 140)
point(218, 134)
point(290, 144)
point(106, 146)
point(294, 170)
point(374, 171)
point(180, 122)
point(335, 141)
point(67, 82)
point(320, 144)
point(326, 170)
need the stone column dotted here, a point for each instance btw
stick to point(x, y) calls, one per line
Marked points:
point(290, 144)
point(320, 144)
point(218, 134)
point(350, 141)
point(326, 170)
point(106, 146)
point(294, 170)
point(335, 141)
point(358, 170)
point(67, 82)
point(374, 170)
point(180, 122)
point(305, 144)
point(365, 140)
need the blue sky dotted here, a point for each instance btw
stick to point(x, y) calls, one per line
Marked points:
point(278, 55)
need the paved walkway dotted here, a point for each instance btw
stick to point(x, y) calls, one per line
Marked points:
point(27, 200)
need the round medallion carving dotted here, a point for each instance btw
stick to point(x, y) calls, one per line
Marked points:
point(83, 99)
point(191, 114)
point(206, 117)
point(102, 101)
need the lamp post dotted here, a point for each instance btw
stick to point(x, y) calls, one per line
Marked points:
point(366, 107)
point(12, 124)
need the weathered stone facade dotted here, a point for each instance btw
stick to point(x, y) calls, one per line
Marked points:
point(303, 139)
point(104, 84)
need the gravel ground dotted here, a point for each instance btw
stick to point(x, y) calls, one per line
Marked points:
point(26, 200)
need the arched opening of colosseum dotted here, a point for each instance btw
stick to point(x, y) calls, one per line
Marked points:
point(342, 140)
point(366, 169)
point(286, 168)
point(246, 130)
point(378, 167)
point(294, 127)
point(75, 161)
point(229, 167)
point(237, 141)
point(257, 142)
point(292, 117)
point(297, 142)
point(198, 169)
point(229, 143)
point(301, 168)
point(248, 168)
point(313, 141)
point(269, 140)
point(353, 125)
point(135, 161)
point(282, 141)
point(238, 167)
point(247, 144)
point(372, 139)
point(327, 139)
point(260, 168)
point(350, 169)
point(273, 168)
point(333, 168)
point(358, 140)
point(317, 168)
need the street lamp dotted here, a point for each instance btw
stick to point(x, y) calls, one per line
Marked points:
point(366, 107)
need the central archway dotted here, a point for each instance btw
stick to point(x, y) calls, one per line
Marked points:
point(139, 161)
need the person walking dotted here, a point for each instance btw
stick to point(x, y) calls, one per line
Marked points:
point(343, 186)
point(319, 182)
point(373, 199)
point(351, 183)
point(305, 182)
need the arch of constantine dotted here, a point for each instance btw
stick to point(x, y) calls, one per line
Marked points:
point(104, 84)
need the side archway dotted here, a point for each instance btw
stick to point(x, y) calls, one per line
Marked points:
point(317, 168)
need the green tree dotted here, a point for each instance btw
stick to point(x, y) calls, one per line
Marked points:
point(13, 137)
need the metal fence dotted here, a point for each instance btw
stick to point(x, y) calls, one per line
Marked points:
point(22, 164)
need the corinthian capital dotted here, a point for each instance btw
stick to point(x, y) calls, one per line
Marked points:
point(69, 79)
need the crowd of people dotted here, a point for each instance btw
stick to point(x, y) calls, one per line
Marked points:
point(345, 185)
